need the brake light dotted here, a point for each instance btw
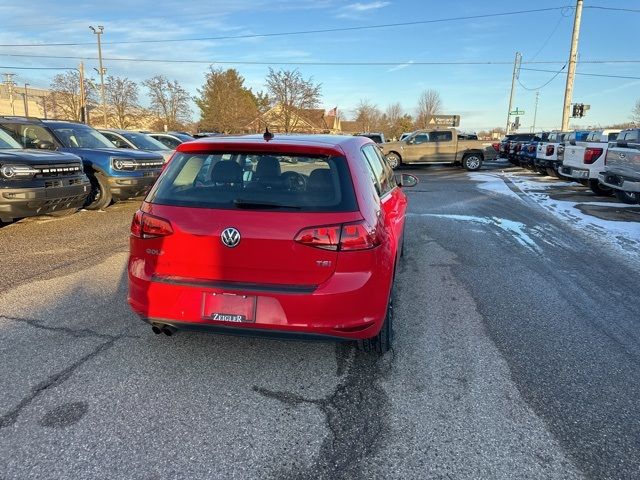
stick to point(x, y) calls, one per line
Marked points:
point(550, 149)
point(144, 225)
point(591, 154)
point(518, 147)
point(531, 148)
point(346, 237)
point(496, 146)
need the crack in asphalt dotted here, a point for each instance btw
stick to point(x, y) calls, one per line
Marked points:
point(54, 380)
point(79, 333)
point(356, 415)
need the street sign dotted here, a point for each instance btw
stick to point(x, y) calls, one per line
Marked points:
point(443, 121)
point(516, 112)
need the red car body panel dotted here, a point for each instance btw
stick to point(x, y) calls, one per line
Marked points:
point(298, 289)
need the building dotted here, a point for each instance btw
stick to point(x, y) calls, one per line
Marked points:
point(22, 100)
point(309, 120)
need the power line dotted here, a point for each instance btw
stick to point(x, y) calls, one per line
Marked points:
point(585, 74)
point(544, 84)
point(37, 68)
point(544, 44)
point(307, 63)
point(613, 9)
point(299, 32)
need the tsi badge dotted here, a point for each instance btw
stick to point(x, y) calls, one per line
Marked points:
point(230, 237)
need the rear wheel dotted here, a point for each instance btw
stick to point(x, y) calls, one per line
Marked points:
point(381, 343)
point(552, 172)
point(394, 160)
point(100, 196)
point(630, 198)
point(599, 189)
point(472, 161)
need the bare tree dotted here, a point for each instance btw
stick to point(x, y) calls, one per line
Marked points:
point(122, 98)
point(368, 116)
point(226, 105)
point(63, 101)
point(429, 104)
point(635, 112)
point(169, 101)
point(291, 93)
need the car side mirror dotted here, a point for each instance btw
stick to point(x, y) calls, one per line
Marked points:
point(572, 142)
point(408, 180)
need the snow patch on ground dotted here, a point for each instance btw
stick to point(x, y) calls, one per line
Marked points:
point(517, 230)
point(625, 236)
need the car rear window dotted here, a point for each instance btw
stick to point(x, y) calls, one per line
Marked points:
point(250, 181)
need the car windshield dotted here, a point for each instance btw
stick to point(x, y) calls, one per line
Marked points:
point(7, 142)
point(256, 181)
point(81, 136)
point(143, 141)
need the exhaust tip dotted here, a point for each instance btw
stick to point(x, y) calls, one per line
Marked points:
point(156, 329)
point(169, 330)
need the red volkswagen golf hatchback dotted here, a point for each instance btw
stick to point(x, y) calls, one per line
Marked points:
point(297, 236)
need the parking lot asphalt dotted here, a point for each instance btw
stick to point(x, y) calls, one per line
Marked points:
point(516, 355)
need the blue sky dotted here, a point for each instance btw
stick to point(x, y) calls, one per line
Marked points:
point(479, 93)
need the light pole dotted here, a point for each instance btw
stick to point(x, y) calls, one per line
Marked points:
point(99, 31)
point(571, 72)
point(26, 101)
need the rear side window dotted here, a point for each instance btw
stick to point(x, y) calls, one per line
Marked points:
point(612, 137)
point(440, 136)
point(381, 173)
point(251, 181)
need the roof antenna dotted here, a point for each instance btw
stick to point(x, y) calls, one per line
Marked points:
point(267, 134)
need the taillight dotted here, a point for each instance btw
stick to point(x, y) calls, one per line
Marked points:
point(518, 147)
point(550, 149)
point(592, 154)
point(144, 225)
point(496, 146)
point(346, 237)
point(531, 148)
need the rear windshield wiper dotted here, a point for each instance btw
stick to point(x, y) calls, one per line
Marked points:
point(243, 203)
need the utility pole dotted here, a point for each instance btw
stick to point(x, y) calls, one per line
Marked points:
point(26, 101)
point(83, 105)
point(571, 72)
point(99, 31)
point(8, 80)
point(516, 74)
point(535, 113)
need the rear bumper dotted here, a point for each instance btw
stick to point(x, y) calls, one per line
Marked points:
point(40, 200)
point(350, 305)
point(619, 182)
point(123, 188)
point(575, 173)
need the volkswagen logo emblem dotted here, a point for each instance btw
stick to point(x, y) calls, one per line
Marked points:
point(230, 237)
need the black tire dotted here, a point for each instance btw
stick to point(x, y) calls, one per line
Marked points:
point(395, 161)
point(100, 196)
point(631, 198)
point(552, 172)
point(381, 343)
point(599, 189)
point(472, 162)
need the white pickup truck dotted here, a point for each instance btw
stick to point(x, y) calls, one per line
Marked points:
point(547, 154)
point(584, 160)
point(622, 166)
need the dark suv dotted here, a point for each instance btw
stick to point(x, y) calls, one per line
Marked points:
point(115, 174)
point(36, 182)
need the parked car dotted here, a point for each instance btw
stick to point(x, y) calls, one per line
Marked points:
point(36, 182)
point(547, 154)
point(622, 166)
point(115, 174)
point(207, 134)
point(375, 136)
point(527, 150)
point(511, 144)
point(251, 243)
point(584, 160)
point(438, 146)
point(571, 138)
point(171, 139)
point(137, 141)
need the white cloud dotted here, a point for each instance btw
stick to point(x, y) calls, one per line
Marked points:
point(400, 67)
point(363, 7)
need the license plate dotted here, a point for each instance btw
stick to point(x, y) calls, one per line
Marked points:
point(226, 307)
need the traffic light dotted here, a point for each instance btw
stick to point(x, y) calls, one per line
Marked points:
point(579, 109)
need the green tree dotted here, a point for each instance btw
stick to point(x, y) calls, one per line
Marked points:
point(225, 104)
